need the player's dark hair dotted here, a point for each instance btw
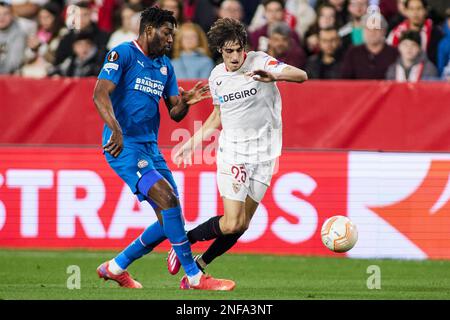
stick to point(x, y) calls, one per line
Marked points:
point(226, 30)
point(266, 2)
point(155, 17)
point(424, 3)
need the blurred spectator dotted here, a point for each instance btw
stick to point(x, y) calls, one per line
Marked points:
point(206, 13)
point(104, 11)
point(298, 14)
point(446, 72)
point(144, 3)
point(352, 32)
point(79, 21)
point(326, 19)
point(283, 48)
point(189, 9)
point(129, 30)
point(416, 13)
point(266, 13)
point(436, 10)
point(412, 64)
point(84, 62)
point(25, 12)
point(231, 9)
point(444, 45)
point(250, 7)
point(439, 5)
point(41, 50)
point(12, 41)
point(327, 63)
point(176, 6)
point(372, 59)
point(191, 57)
point(304, 14)
point(26, 8)
point(341, 10)
point(397, 18)
point(388, 8)
point(274, 12)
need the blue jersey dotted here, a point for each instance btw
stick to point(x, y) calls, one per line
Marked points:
point(140, 83)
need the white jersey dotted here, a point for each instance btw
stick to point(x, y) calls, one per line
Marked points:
point(250, 111)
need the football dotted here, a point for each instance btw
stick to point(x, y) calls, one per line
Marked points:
point(339, 234)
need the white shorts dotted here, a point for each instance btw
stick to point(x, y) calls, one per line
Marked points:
point(237, 181)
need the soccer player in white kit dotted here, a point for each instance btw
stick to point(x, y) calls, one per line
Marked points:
point(247, 103)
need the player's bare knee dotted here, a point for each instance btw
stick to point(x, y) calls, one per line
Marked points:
point(233, 226)
point(227, 226)
point(171, 200)
point(167, 199)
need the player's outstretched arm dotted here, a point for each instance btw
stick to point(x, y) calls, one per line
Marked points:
point(179, 105)
point(183, 155)
point(289, 74)
point(102, 101)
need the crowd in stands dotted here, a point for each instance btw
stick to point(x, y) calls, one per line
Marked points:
point(402, 40)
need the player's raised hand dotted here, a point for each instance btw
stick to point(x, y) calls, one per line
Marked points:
point(183, 155)
point(262, 75)
point(196, 94)
point(115, 143)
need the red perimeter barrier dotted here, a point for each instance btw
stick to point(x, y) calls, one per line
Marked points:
point(357, 115)
point(71, 198)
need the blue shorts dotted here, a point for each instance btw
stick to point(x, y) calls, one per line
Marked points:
point(135, 160)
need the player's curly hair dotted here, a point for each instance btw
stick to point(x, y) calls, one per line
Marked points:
point(226, 30)
point(155, 17)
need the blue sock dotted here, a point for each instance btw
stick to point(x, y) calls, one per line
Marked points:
point(174, 230)
point(146, 242)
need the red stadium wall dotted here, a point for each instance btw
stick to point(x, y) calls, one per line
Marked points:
point(70, 198)
point(364, 115)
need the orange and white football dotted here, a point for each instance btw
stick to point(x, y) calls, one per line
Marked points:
point(339, 234)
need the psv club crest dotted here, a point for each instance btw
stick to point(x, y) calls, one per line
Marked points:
point(142, 164)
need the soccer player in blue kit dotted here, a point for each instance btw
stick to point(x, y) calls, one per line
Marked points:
point(134, 77)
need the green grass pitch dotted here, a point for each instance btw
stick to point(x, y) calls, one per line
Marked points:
point(43, 275)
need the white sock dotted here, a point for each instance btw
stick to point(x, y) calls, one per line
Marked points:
point(114, 267)
point(195, 280)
